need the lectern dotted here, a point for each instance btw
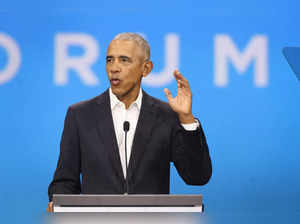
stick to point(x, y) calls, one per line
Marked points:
point(133, 209)
point(127, 203)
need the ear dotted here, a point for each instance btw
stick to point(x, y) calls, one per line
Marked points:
point(148, 66)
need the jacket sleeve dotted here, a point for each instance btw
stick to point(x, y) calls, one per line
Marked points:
point(190, 155)
point(66, 179)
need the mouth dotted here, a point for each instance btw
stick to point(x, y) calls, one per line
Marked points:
point(115, 82)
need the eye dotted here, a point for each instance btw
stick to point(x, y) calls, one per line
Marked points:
point(109, 60)
point(124, 59)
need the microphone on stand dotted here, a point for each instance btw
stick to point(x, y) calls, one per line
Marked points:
point(126, 129)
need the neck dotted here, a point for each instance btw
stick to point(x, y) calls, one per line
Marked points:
point(130, 96)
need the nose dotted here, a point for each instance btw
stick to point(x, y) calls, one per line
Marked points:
point(114, 68)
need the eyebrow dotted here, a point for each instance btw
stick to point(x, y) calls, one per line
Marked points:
point(121, 56)
point(124, 57)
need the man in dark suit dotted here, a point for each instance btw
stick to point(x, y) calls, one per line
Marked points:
point(92, 144)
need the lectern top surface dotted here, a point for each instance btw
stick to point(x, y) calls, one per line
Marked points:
point(127, 200)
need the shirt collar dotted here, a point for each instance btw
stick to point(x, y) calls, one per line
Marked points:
point(114, 101)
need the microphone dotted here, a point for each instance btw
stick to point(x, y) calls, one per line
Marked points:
point(126, 129)
point(126, 126)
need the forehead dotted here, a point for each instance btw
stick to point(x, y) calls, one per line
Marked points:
point(123, 47)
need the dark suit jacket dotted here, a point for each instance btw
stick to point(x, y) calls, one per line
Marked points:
point(89, 160)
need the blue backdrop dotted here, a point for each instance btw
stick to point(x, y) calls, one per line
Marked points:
point(244, 92)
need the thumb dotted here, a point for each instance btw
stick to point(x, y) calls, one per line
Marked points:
point(168, 94)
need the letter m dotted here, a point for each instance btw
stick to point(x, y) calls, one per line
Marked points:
point(226, 50)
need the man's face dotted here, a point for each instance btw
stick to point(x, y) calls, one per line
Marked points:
point(124, 68)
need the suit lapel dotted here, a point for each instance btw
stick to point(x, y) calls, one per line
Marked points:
point(143, 132)
point(107, 132)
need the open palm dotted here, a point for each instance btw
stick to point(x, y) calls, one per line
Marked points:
point(182, 103)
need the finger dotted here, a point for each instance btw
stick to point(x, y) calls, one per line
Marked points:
point(168, 94)
point(177, 75)
point(179, 79)
point(50, 207)
point(183, 82)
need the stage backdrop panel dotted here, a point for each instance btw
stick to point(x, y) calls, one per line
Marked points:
point(52, 54)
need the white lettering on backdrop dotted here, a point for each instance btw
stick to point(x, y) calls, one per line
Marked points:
point(256, 50)
point(171, 63)
point(14, 58)
point(81, 64)
point(225, 51)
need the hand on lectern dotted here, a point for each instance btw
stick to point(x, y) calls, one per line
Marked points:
point(50, 206)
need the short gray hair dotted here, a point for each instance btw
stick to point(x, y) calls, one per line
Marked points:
point(141, 42)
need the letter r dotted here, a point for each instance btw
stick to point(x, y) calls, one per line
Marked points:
point(81, 64)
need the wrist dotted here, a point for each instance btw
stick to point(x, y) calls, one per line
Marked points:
point(186, 118)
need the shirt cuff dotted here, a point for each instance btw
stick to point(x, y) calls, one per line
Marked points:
point(191, 126)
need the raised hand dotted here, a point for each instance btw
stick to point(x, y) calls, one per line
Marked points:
point(182, 103)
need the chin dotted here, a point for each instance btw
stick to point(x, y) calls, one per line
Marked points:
point(117, 92)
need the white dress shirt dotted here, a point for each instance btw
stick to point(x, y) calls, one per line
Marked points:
point(120, 114)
